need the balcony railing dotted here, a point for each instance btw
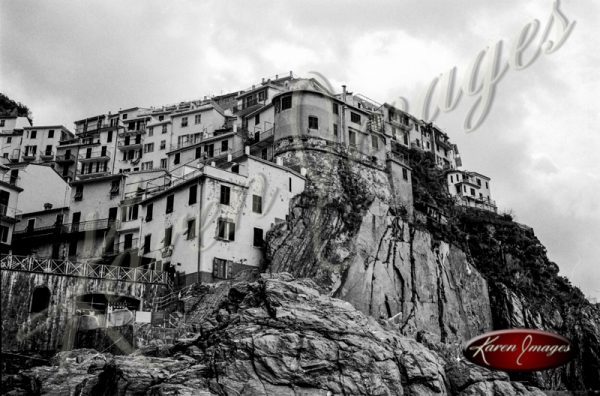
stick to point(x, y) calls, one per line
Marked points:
point(122, 247)
point(94, 156)
point(29, 156)
point(82, 226)
point(65, 158)
point(82, 269)
point(47, 156)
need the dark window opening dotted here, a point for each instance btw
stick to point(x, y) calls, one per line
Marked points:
point(40, 300)
point(225, 195)
point(170, 201)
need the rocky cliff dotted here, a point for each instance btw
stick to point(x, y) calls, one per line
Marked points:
point(275, 336)
point(449, 271)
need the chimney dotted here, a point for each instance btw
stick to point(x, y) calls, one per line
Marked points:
point(344, 93)
point(276, 76)
point(263, 80)
point(229, 157)
point(291, 74)
point(247, 150)
point(279, 161)
point(303, 171)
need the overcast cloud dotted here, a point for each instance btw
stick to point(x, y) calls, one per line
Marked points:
point(70, 59)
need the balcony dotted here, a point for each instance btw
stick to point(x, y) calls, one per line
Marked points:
point(87, 176)
point(133, 132)
point(29, 156)
point(83, 226)
point(65, 158)
point(130, 144)
point(94, 156)
point(122, 247)
point(47, 156)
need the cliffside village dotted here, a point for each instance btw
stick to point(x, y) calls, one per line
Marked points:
point(192, 188)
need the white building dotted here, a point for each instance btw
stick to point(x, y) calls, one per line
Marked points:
point(210, 223)
point(470, 189)
point(9, 196)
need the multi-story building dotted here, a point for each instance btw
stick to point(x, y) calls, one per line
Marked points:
point(39, 143)
point(11, 133)
point(470, 189)
point(9, 195)
point(210, 223)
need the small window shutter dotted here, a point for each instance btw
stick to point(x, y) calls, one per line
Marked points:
point(232, 231)
point(229, 269)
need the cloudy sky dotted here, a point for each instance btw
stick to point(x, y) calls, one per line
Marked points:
point(539, 142)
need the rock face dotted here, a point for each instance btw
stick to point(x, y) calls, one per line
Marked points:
point(455, 274)
point(349, 234)
point(276, 336)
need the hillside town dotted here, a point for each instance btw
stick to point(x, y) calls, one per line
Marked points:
point(147, 187)
point(131, 209)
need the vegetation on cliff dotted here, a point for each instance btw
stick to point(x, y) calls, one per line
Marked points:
point(9, 107)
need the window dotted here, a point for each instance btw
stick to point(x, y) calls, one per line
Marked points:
point(264, 153)
point(164, 129)
point(226, 230)
point(225, 195)
point(129, 213)
point(404, 174)
point(197, 119)
point(79, 192)
point(147, 165)
point(30, 224)
point(170, 200)
point(163, 163)
point(478, 182)
point(374, 142)
point(33, 134)
point(3, 233)
point(286, 102)
point(336, 108)
point(161, 117)
point(235, 168)
point(148, 147)
point(40, 299)
point(124, 116)
point(51, 134)
point(406, 139)
point(193, 194)
point(290, 183)
point(168, 234)
point(191, 229)
point(184, 122)
point(2, 123)
point(256, 203)
point(9, 139)
point(352, 138)
point(257, 119)
point(473, 192)
point(335, 130)
point(486, 185)
point(313, 122)
point(150, 131)
point(224, 145)
point(222, 268)
point(177, 158)
point(262, 95)
point(147, 242)
point(109, 137)
point(355, 118)
point(163, 144)
point(114, 187)
point(258, 237)
point(149, 210)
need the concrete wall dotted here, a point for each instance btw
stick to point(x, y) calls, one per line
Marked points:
point(41, 184)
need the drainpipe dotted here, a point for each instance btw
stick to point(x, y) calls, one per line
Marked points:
point(200, 217)
point(343, 115)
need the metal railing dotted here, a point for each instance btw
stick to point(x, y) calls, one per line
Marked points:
point(82, 226)
point(65, 157)
point(82, 269)
point(94, 155)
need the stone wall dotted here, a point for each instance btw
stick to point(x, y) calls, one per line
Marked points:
point(47, 330)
